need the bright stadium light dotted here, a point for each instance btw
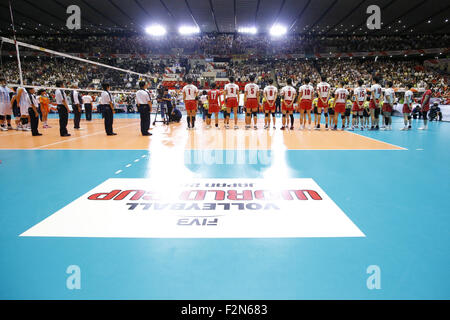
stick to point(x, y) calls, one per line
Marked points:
point(188, 30)
point(251, 30)
point(156, 30)
point(278, 30)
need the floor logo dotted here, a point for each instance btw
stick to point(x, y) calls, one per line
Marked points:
point(204, 208)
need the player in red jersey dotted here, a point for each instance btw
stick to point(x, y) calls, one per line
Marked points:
point(270, 94)
point(376, 93)
point(288, 94)
point(323, 92)
point(425, 106)
point(251, 102)
point(305, 97)
point(214, 106)
point(231, 98)
point(190, 93)
point(339, 104)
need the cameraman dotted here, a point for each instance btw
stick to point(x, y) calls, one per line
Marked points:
point(167, 100)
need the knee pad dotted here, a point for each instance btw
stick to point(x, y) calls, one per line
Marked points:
point(255, 114)
point(409, 117)
point(2, 117)
point(325, 114)
point(248, 114)
point(8, 117)
point(209, 115)
point(266, 115)
point(361, 117)
point(24, 120)
point(283, 116)
point(273, 114)
point(343, 116)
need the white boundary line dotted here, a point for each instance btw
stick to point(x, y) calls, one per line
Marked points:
point(75, 138)
point(377, 140)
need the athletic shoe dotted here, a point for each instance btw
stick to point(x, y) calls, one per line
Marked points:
point(111, 134)
point(227, 126)
point(188, 128)
point(247, 127)
point(218, 128)
point(282, 128)
point(274, 127)
point(3, 128)
point(404, 128)
point(291, 128)
point(351, 129)
point(409, 127)
point(423, 128)
point(317, 127)
point(326, 126)
point(255, 127)
point(79, 128)
point(37, 134)
point(362, 128)
point(26, 129)
point(236, 127)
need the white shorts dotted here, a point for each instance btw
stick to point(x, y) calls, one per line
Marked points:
point(24, 111)
point(5, 109)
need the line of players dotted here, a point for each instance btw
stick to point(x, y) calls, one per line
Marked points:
point(364, 104)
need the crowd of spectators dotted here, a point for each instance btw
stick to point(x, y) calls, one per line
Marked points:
point(234, 43)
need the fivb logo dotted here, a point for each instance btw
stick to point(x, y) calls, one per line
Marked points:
point(73, 22)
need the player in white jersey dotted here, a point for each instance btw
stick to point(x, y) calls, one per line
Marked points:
point(376, 94)
point(407, 107)
point(287, 93)
point(23, 105)
point(305, 97)
point(5, 106)
point(339, 104)
point(359, 97)
point(323, 93)
point(270, 95)
point(388, 105)
point(190, 93)
point(251, 102)
point(231, 97)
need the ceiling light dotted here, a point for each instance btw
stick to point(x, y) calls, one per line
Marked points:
point(278, 30)
point(188, 30)
point(251, 30)
point(156, 30)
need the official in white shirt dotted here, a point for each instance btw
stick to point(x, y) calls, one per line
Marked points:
point(32, 102)
point(144, 105)
point(87, 102)
point(76, 107)
point(107, 106)
point(63, 109)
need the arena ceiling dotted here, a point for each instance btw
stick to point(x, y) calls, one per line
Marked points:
point(299, 16)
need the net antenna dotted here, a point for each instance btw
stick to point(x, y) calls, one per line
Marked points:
point(15, 42)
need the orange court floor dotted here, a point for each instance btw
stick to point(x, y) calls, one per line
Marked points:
point(175, 136)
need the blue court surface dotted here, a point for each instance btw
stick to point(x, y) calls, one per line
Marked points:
point(398, 199)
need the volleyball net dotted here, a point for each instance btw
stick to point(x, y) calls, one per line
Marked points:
point(32, 69)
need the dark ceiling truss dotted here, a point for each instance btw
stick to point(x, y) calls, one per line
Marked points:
point(364, 21)
point(191, 13)
point(121, 11)
point(346, 16)
point(399, 18)
point(213, 15)
point(17, 12)
point(167, 9)
point(300, 15)
point(429, 17)
point(322, 15)
point(8, 18)
point(256, 12)
point(143, 9)
point(235, 15)
point(279, 11)
point(101, 14)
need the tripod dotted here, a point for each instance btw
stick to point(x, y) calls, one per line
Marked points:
point(162, 111)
